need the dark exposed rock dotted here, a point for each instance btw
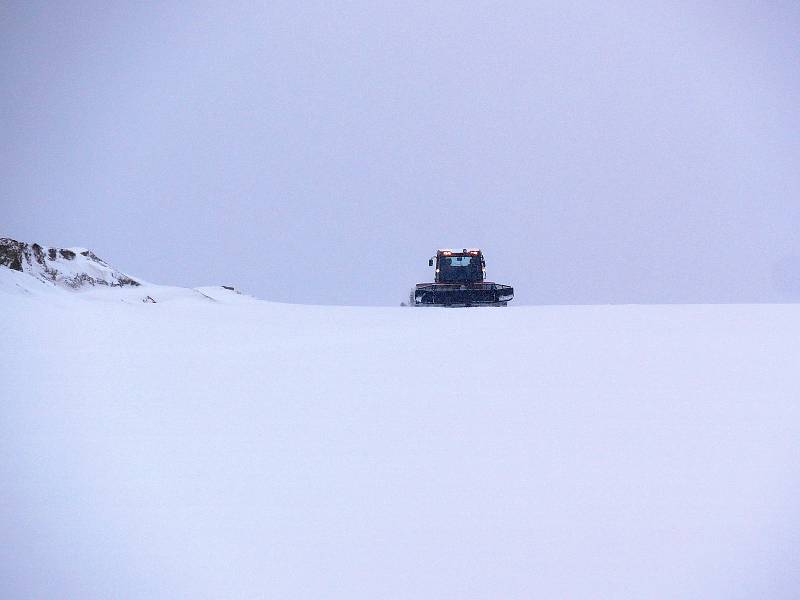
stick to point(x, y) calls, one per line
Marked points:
point(94, 257)
point(68, 254)
point(82, 279)
point(51, 253)
point(38, 253)
point(12, 253)
point(125, 280)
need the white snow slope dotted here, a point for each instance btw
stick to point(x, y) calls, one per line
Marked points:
point(215, 446)
point(72, 268)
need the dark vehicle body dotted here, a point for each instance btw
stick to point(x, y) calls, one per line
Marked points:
point(460, 280)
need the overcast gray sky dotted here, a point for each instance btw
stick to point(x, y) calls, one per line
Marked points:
point(321, 152)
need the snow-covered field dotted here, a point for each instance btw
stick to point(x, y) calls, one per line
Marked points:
point(216, 446)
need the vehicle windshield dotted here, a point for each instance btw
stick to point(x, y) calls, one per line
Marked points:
point(459, 268)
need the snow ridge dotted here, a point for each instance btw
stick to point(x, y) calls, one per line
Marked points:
point(72, 268)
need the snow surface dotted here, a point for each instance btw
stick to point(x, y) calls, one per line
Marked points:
point(212, 445)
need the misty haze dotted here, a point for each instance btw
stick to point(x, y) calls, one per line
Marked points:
point(633, 153)
point(212, 213)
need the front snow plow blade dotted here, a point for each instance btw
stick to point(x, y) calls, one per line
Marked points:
point(472, 294)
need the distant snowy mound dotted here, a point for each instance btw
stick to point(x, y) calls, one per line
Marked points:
point(73, 268)
point(36, 271)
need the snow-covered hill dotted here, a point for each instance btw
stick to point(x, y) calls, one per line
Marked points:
point(74, 268)
point(212, 445)
point(56, 273)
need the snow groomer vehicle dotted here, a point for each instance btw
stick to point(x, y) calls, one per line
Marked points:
point(460, 280)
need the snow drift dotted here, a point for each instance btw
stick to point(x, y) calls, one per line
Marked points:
point(211, 445)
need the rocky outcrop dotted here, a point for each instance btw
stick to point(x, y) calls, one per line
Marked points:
point(11, 253)
point(73, 268)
